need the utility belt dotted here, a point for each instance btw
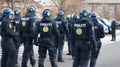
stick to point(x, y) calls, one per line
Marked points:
point(78, 39)
point(83, 41)
point(46, 38)
point(7, 38)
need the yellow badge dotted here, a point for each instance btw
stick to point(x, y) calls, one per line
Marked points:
point(23, 23)
point(93, 28)
point(14, 29)
point(85, 14)
point(78, 31)
point(10, 26)
point(45, 29)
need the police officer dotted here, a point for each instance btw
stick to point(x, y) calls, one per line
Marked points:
point(27, 30)
point(74, 18)
point(63, 29)
point(99, 33)
point(46, 29)
point(68, 37)
point(16, 21)
point(113, 26)
point(9, 51)
point(83, 35)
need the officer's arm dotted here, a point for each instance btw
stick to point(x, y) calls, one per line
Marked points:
point(32, 25)
point(65, 27)
point(18, 25)
point(9, 30)
point(55, 30)
point(92, 35)
point(37, 33)
point(72, 35)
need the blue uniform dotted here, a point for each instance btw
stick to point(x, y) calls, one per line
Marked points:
point(83, 35)
point(61, 26)
point(9, 50)
point(73, 19)
point(27, 35)
point(99, 33)
point(47, 29)
point(16, 23)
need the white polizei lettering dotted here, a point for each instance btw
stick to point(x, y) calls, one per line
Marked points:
point(45, 24)
point(17, 22)
point(80, 25)
point(58, 22)
point(24, 18)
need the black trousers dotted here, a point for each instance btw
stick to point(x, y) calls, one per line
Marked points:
point(9, 53)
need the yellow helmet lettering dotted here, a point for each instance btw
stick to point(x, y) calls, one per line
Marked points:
point(17, 12)
point(31, 9)
point(85, 13)
point(48, 14)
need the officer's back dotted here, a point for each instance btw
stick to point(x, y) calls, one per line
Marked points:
point(46, 28)
point(82, 27)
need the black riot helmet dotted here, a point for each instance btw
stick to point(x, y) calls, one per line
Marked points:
point(74, 16)
point(94, 15)
point(7, 12)
point(46, 13)
point(61, 14)
point(84, 12)
point(31, 8)
point(17, 11)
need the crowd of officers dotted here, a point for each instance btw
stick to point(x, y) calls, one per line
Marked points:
point(83, 34)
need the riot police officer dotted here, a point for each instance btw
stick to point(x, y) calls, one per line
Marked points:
point(113, 26)
point(46, 28)
point(73, 18)
point(62, 27)
point(99, 33)
point(8, 33)
point(27, 30)
point(68, 36)
point(83, 35)
point(16, 21)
